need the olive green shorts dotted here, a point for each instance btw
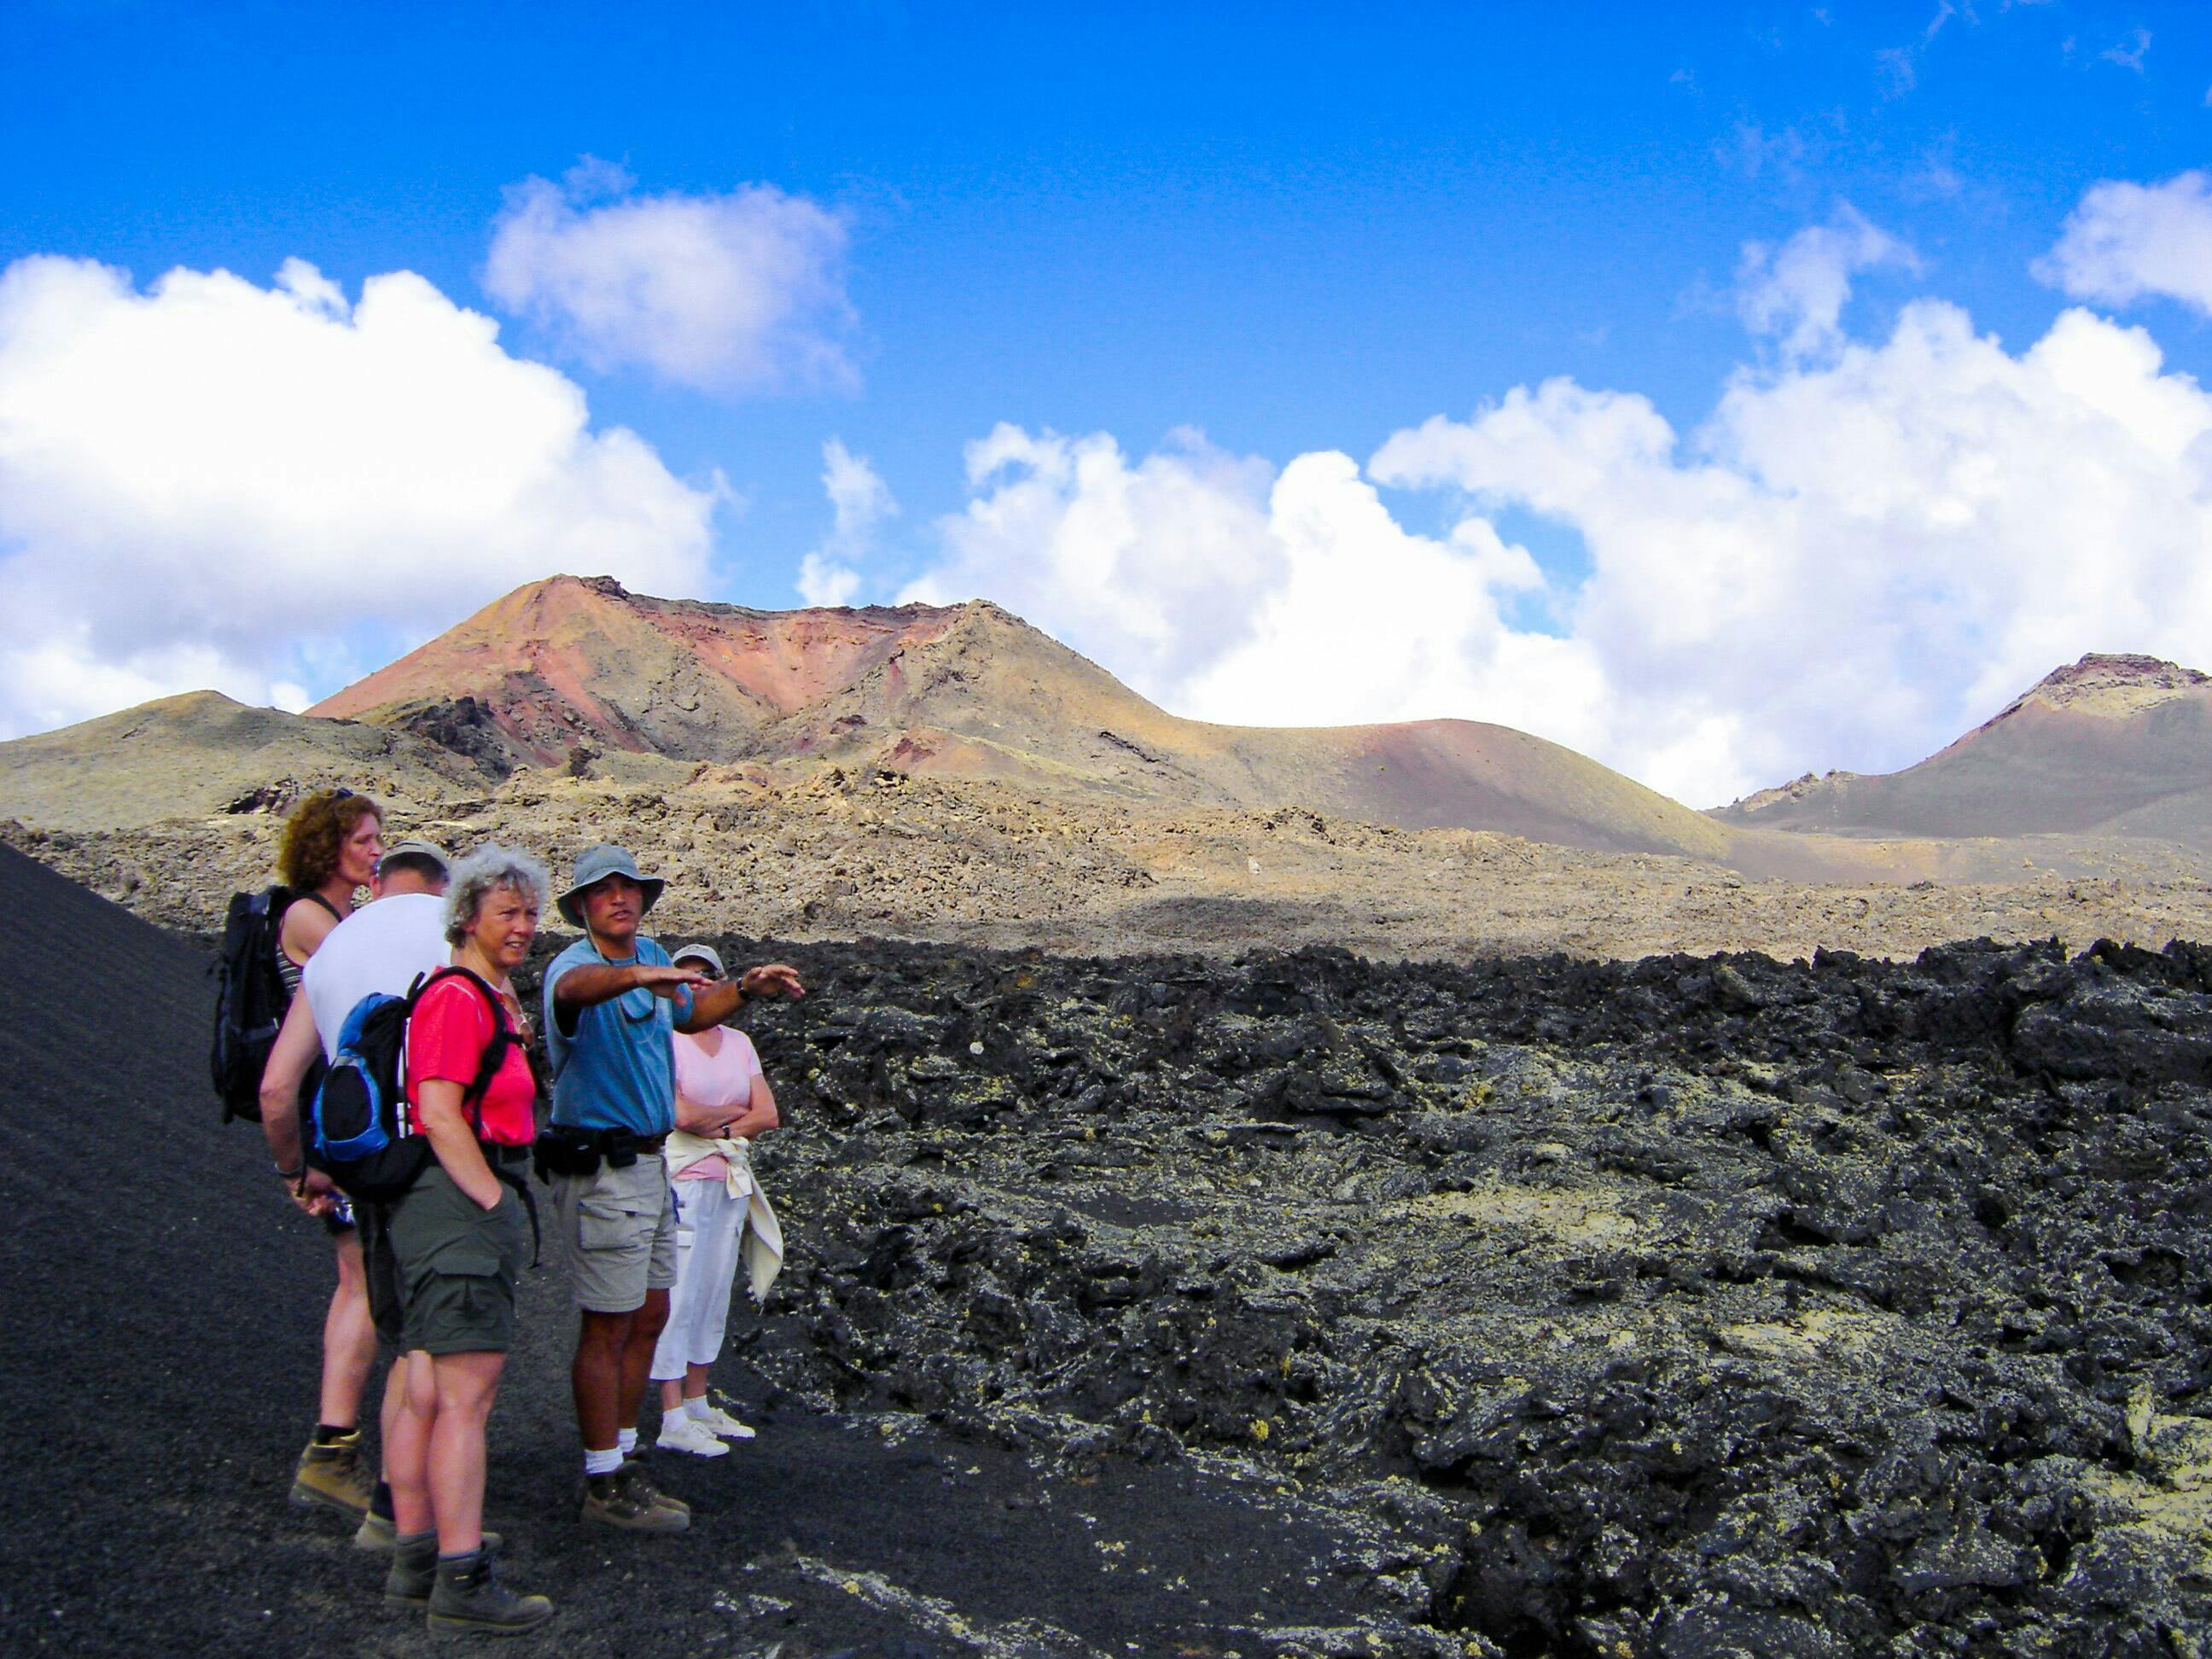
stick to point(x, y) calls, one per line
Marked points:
point(619, 1230)
point(458, 1265)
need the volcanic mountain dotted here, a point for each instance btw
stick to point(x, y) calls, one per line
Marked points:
point(2110, 745)
point(572, 672)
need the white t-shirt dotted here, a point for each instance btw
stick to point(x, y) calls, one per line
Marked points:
point(383, 946)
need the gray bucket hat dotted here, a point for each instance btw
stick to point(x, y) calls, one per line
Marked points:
point(705, 953)
point(595, 865)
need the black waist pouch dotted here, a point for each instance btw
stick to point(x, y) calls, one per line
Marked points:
point(564, 1152)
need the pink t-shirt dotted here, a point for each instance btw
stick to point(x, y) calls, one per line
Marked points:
point(721, 1082)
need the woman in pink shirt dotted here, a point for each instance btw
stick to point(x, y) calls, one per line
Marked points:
point(722, 1101)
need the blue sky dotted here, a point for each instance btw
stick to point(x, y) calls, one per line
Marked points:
point(1295, 229)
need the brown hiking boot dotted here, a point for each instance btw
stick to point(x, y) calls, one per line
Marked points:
point(334, 1477)
point(627, 1499)
point(376, 1534)
point(468, 1600)
point(635, 1468)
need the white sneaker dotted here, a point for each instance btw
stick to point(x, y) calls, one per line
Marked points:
point(679, 1432)
point(718, 1421)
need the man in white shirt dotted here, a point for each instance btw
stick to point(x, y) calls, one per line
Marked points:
point(384, 946)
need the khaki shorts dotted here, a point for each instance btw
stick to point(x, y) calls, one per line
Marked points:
point(618, 1230)
point(457, 1266)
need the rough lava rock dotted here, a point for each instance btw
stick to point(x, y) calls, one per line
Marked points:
point(1679, 1307)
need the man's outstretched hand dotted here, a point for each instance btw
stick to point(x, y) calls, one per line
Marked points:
point(773, 979)
point(667, 981)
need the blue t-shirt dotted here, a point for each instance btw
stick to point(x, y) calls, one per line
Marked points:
point(617, 1070)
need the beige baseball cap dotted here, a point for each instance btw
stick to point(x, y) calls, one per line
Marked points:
point(420, 849)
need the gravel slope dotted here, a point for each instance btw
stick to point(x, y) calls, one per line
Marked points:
point(162, 1307)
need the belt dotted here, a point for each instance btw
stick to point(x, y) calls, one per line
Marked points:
point(606, 1138)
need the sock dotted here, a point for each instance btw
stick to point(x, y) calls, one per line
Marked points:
point(627, 1439)
point(465, 1555)
point(698, 1407)
point(380, 1505)
point(407, 1540)
point(329, 1434)
point(602, 1462)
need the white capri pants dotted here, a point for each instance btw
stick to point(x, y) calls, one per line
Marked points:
point(709, 1225)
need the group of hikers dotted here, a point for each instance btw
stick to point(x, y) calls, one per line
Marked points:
point(653, 1106)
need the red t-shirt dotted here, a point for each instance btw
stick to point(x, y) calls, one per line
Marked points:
point(447, 1035)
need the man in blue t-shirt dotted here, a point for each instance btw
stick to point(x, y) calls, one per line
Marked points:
point(612, 1001)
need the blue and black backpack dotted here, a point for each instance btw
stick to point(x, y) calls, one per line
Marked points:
point(357, 1126)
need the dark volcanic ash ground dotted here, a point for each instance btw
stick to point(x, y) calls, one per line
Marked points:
point(1289, 1305)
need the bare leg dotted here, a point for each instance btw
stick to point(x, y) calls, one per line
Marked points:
point(672, 1396)
point(349, 1339)
point(695, 1383)
point(644, 1327)
point(407, 1444)
point(465, 1385)
point(602, 1340)
point(395, 1404)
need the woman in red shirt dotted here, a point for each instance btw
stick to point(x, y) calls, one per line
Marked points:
point(458, 1234)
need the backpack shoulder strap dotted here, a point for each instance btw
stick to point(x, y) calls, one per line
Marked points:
point(495, 1052)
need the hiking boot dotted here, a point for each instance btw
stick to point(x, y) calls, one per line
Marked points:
point(720, 1424)
point(333, 1476)
point(634, 1468)
point(626, 1499)
point(414, 1569)
point(375, 1533)
point(680, 1432)
point(415, 1565)
point(467, 1600)
point(634, 1465)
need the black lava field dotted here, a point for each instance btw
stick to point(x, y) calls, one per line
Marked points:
point(1680, 1308)
point(1295, 1305)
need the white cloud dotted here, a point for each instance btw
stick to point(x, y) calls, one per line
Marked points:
point(209, 482)
point(2125, 241)
point(1852, 561)
point(858, 495)
point(860, 500)
point(1152, 566)
point(739, 292)
point(2131, 54)
point(1850, 565)
point(1798, 291)
point(1228, 592)
point(825, 584)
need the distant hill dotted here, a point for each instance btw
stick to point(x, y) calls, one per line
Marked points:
point(577, 679)
point(569, 671)
point(2108, 747)
point(200, 755)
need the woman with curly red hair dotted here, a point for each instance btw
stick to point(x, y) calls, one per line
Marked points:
point(331, 847)
point(329, 853)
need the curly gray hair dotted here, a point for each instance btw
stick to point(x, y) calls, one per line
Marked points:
point(486, 870)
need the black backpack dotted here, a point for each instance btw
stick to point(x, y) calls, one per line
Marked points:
point(357, 1131)
point(250, 1000)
